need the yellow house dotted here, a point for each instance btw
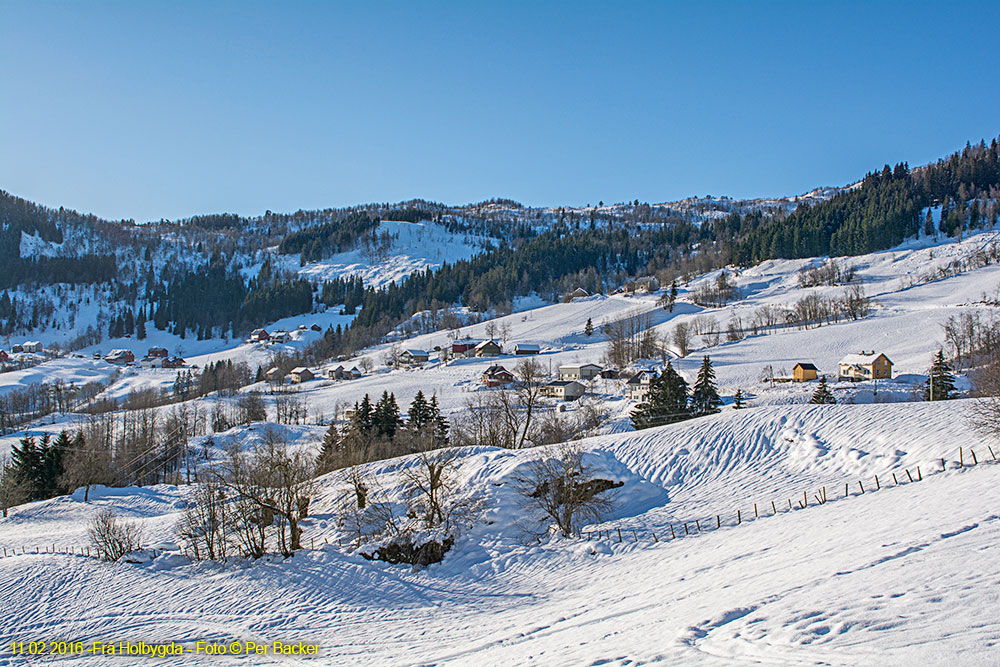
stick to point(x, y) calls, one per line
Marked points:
point(865, 366)
point(804, 371)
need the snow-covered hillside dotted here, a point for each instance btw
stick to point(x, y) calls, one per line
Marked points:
point(415, 246)
point(901, 575)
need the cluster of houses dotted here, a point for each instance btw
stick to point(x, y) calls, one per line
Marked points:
point(279, 336)
point(156, 357)
point(568, 387)
point(855, 367)
point(302, 374)
point(30, 347)
point(461, 349)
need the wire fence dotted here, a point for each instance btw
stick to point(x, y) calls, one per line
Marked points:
point(782, 504)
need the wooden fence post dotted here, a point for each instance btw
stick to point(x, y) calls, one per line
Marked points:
point(619, 533)
point(686, 528)
point(634, 536)
point(654, 538)
point(878, 486)
point(961, 462)
point(909, 475)
point(697, 525)
point(975, 461)
point(861, 486)
point(755, 510)
point(672, 536)
point(846, 492)
point(919, 476)
point(991, 452)
point(718, 521)
point(805, 499)
point(773, 508)
point(942, 465)
point(894, 480)
point(739, 519)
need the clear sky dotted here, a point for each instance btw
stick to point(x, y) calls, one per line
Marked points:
point(146, 110)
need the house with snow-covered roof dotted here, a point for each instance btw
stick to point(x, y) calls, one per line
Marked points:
point(864, 366)
point(412, 357)
point(579, 371)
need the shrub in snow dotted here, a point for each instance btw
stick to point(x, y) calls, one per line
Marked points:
point(114, 537)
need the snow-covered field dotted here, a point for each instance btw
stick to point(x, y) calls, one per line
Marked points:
point(903, 575)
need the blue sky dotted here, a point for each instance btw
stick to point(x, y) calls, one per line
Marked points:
point(146, 110)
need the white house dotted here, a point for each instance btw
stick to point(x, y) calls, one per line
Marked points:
point(864, 366)
point(637, 388)
point(564, 390)
point(579, 372)
point(412, 357)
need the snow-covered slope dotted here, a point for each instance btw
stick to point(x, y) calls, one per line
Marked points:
point(901, 575)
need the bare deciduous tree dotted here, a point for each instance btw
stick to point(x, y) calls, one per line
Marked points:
point(114, 537)
point(563, 489)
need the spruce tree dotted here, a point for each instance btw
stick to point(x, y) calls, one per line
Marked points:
point(738, 400)
point(704, 397)
point(364, 416)
point(441, 425)
point(419, 414)
point(666, 401)
point(588, 329)
point(386, 415)
point(940, 382)
point(822, 395)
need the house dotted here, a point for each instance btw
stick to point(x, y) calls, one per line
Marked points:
point(274, 375)
point(488, 348)
point(527, 348)
point(578, 293)
point(637, 388)
point(316, 327)
point(412, 357)
point(15, 349)
point(4, 356)
point(804, 371)
point(259, 336)
point(354, 373)
point(120, 357)
point(864, 366)
point(173, 362)
point(564, 390)
point(279, 337)
point(33, 346)
point(300, 375)
point(610, 374)
point(301, 327)
point(496, 376)
point(578, 372)
point(644, 285)
point(338, 373)
point(157, 353)
point(463, 347)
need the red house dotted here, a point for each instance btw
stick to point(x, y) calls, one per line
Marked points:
point(496, 376)
point(259, 336)
point(120, 357)
point(3, 356)
point(157, 353)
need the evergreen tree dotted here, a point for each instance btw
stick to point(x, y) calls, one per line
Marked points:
point(140, 325)
point(420, 414)
point(670, 298)
point(386, 415)
point(666, 403)
point(39, 465)
point(588, 329)
point(364, 416)
point(704, 397)
point(441, 425)
point(940, 382)
point(259, 376)
point(738, 400)
point(822, 395)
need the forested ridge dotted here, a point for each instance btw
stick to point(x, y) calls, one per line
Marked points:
point(545, 251)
